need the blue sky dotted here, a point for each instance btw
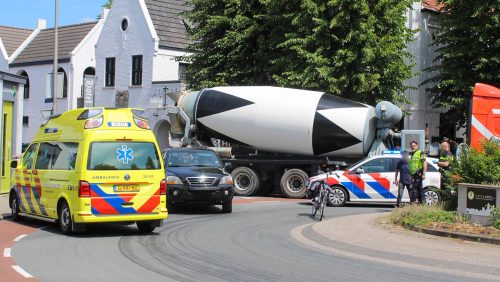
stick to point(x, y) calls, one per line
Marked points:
point(24, 13)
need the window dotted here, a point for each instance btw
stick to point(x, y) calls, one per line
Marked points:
point(123, 156)
point(124, 24)
point(110, 72)
point(26, 93)
point(26, 120)
point(379, 165)
point(57, 156)
point(65, 83)
point(137, 70)
point(193, 158)
point(430, 167)
point(183, 72)
point(29, 156)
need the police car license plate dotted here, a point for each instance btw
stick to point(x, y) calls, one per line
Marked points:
point(126, 188)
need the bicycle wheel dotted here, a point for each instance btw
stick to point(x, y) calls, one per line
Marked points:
point(316, 204)
point(323, 205)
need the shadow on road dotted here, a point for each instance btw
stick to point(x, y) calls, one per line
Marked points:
point(195, 209)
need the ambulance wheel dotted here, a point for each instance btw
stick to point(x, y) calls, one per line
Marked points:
point(14, 207)
point(65, 220)
point(294, 183)
point(145, 226)
point(432, 197)
point(246, 181)
point(338, 197)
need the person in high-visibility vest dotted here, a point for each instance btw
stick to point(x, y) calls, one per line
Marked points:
point(418, 168)
point(445, 161)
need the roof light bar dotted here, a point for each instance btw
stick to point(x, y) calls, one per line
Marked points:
point(90, 113)
point(93, 123)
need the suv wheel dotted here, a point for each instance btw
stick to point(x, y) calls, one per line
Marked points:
point(227, 207)
point(65, 220)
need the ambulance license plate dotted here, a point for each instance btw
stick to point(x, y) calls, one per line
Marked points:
point(126, 188)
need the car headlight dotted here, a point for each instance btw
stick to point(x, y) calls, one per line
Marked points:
point(226, 180)
point(173, 180)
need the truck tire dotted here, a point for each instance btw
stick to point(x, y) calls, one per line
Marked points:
point(246, 181)
point(294, 183)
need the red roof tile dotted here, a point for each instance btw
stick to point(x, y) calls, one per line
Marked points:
point(432, 5)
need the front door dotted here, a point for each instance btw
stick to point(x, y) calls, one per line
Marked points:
point(6, 149)
point(378, 177)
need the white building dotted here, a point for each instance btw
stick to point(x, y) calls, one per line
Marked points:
point(422, 18)
point(136, 58)
point(34, 60)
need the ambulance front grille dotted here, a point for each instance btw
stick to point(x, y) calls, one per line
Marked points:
point(201, 181)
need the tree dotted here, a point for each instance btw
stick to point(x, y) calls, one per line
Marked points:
point(106, 5)
point(468, 51)
point(355, 49)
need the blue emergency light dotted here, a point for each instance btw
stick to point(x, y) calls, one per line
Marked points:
point(391, 152)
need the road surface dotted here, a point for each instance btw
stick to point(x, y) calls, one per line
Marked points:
point(254, 243)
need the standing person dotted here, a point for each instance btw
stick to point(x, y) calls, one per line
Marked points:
point(445, 160)
point(418, 168)
point(403, 169)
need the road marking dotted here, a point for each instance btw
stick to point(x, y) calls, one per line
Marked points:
point(18, 238)
point(7, 252)
point(22, 271)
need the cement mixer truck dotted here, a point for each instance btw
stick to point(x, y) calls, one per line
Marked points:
point(278, 137)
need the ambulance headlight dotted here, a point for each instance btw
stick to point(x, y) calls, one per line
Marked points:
point(226, 180)
point(93, 123)
point(173, 180)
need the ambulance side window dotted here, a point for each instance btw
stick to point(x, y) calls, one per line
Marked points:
point(29, 156)
point(57, 156)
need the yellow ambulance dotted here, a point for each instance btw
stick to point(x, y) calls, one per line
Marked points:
point(89, 166)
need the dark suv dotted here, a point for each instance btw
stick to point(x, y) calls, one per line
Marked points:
point(197, 175)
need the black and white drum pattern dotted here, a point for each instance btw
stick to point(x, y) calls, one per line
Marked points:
point(288, 121)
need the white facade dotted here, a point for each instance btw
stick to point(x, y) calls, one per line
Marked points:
point(160, 70)
point(423, 114)
point(81, 58)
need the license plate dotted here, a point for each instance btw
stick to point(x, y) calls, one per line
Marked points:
point(126, 188)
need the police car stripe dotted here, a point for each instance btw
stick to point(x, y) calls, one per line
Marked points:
point(356, 190)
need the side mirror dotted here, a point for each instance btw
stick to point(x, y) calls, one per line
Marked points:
point(13, 164)
point(360, 170)
point(228, 166)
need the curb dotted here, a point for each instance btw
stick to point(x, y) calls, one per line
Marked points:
point(455, 235)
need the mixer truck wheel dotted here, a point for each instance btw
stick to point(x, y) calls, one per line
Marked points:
point(246, 181)
point(294, 183)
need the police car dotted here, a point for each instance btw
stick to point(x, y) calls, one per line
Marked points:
point(372, 180)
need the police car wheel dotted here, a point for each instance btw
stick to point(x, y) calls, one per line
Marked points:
point(338, 197)
point(65, 221)
point(431, 197)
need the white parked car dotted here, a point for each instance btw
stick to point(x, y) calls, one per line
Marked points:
point(372, 180)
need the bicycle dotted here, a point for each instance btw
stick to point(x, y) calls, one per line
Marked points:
point(319, 200)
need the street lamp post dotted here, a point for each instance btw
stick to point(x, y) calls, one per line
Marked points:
point(56, 47)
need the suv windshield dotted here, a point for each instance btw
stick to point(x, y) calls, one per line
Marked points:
point(123, 156)
point(192, 158)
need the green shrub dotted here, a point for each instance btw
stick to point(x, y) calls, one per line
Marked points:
point(478, 166)
point(495, 218)
point(422, 215)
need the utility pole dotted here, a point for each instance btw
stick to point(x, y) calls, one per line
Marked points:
point(56, 59)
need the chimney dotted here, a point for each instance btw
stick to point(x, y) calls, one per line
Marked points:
point(41, 24)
